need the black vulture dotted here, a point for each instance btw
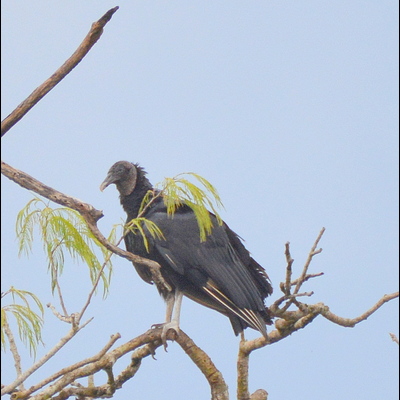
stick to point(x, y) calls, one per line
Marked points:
point(218, 273)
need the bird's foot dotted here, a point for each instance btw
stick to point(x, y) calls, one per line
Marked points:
point(166, 326)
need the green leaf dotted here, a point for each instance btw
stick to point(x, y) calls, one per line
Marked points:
point(180, 190)
point(28, 321)
point(137, 225)
point(63, 232)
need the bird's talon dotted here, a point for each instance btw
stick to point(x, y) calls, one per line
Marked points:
point(166, 327)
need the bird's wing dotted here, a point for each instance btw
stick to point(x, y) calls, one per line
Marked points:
point(213, 266)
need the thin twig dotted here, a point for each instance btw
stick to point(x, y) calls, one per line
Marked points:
point(289, 261)
point(92, 37)
point(155, 196)
point(394, 338)
point(58, 287)
point(312, 253)
point(351, 322)
point(67, 319)
point(306, 278)
point(95, 284)
point(274, 308)
point(14, 351)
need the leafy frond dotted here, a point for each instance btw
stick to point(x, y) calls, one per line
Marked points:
point(147, 200)
point(3, 324)
point(63, 231)
point(180, 190)
point(26, 221)
point(29, 322)
point(142, 226)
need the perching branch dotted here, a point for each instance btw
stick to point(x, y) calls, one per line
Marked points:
point(219, 389)
point(91, 38)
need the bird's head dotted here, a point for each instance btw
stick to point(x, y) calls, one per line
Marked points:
point(124, 175)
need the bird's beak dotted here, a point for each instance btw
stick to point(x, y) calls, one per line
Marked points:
point(108, 181)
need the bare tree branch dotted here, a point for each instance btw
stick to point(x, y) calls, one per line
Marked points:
point(242, 366)
point(95, 284)
point(64, 318)
point(312, 253)
point(259, 394)
point(92, 37)
point(286, 287)
point(65, 370)
point(219, 389)
point(394, 338)
point(351, 322)
point(14, 351)
point(30, 183)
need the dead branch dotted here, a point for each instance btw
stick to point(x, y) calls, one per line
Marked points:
point(14, 351)
point(286, 287)
point(394, 338)
point(242, 366)
point(351, 322)
point(312, 253)
point(91, 38)
point(219, 389)
point(65, 370)
point(304, 276)
point(259, 394)
point(291, 321)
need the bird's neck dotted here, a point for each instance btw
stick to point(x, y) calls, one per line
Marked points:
point(131, 203)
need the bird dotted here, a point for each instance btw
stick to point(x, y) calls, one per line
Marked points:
point(217, 272)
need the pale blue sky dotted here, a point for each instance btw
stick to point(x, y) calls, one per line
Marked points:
point(289, 108)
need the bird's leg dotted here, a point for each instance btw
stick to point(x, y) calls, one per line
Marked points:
point(176, 313)
point(170, 306)
point(173, 314)
point(174, 302)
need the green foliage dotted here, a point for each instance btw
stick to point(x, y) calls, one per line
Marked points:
point(29, 322)
point(175, 192)
point(63, 231)
point(137, 224)
point(180, 190)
